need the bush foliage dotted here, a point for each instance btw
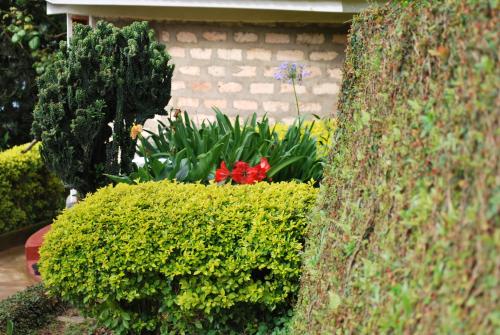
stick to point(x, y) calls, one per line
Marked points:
point(28, 310)
point(181, 258)
point(27, 37)
point(406, 238)
point(108, 75)
point(29, 194)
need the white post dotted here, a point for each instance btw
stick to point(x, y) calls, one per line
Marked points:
point(69, 27)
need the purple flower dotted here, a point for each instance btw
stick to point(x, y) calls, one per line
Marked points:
point(291, 72)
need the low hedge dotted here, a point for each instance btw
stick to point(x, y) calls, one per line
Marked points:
point(29, 193)
point(181, 258)
point(28, 310)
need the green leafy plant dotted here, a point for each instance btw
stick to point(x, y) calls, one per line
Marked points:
point(28, 36)
point(181, 258)
point(108, 75)
point(405, 239)
point(187, 152)
point(28, 310)
point(29, 193)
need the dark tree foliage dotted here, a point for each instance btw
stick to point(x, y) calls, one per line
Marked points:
point(92, 94)
point(27, 38)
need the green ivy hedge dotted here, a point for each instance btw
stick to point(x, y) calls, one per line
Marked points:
point(407, 239)
point(181, 258)
point(29, 194)
point(28, 310)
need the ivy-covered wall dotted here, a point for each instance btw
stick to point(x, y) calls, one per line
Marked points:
point(406, 238)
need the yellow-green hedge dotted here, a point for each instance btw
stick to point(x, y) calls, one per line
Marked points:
point(181, 257)
point(28, 192)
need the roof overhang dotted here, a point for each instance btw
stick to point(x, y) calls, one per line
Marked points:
point(304, 11)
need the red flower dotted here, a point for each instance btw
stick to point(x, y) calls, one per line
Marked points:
point(260, 170)
point(243, 173)
point(222, 173)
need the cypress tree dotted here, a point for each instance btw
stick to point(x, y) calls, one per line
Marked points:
point(92, 94)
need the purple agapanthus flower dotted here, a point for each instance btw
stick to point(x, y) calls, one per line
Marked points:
point(291, 73)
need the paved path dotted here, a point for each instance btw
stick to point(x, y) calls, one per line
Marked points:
point(13, 274)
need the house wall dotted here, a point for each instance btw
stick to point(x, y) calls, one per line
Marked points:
point(232, 66)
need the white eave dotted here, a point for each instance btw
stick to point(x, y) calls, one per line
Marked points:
point(214, 10)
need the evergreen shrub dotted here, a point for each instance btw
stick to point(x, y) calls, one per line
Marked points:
point(181, 258)
point(406, 237)
point(29, 193)
point(108, 76)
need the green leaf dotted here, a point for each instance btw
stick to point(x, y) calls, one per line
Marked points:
point(277, 168)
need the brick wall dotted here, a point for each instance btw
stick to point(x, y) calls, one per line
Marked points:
point(232, 66)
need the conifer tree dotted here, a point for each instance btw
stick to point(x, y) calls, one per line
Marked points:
point(92, 94)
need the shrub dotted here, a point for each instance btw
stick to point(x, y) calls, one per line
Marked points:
point(108, 75)
point(27, 36)
point(28, 310)
point(181, 257)
point(406, 240)
point(29, 193)
point(189, 153)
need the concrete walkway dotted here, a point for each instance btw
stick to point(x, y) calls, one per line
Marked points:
point(13, 274)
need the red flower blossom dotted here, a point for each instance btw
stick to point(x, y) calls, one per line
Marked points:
point(261, 169)
point(243, 173)
point(222, 173)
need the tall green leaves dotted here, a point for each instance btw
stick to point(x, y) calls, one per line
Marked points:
point(187, 152)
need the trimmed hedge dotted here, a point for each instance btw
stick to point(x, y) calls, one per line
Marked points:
point(28, 310)
point(181, 257)
point(29, 194)
point(406, 239)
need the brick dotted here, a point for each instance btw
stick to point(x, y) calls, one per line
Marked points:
point(214, 36)
point(190, 70)
point(200, 118)
point(164, 36)
point(270, 71)
point(178, 85)
point(259, 54)
point(245, 105)
point(276, 106)
point(288, 120)
point(201, 86)
point(230, 87)
point(290, 55)
point(305, 38)
point(288, 88)
point(186, 37)
point(217, 71)
point(177, 52)
point(262, 88)
point(187, 102)
point(310, 107)
point(326, 88)
point(314, 71)
point(335, 73)
point(230, 54)
point(339, 38)
point(241, 37)
point(323, 55)
point(198, 53)
point(246, 71)
point(274, 38)
point(219, 103)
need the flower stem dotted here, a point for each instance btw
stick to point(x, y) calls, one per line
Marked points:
point(296, 98)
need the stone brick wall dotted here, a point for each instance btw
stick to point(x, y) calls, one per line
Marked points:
point(232, 66)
